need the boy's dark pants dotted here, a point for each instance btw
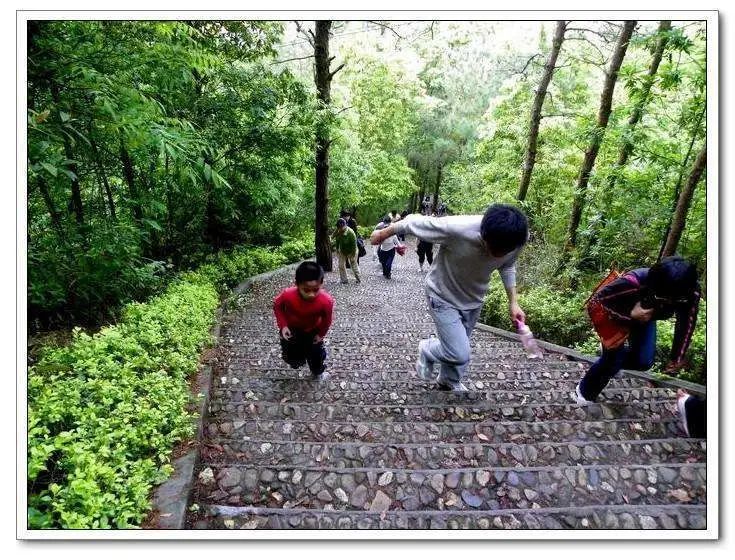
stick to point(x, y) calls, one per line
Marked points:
point(637, 353)
point(300, 349)
point(386, 260)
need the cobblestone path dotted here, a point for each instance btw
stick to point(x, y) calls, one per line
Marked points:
point(375, 447)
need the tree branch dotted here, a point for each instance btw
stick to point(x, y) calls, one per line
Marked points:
point(387, 27)
point(331, 74)
point(585, 30)
point(526, 65)
point(303, 32)
point(290, 59)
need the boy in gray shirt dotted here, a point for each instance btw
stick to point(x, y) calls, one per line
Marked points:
point(472, 247)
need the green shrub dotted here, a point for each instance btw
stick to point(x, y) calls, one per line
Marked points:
point(553, 316)
point(105, 412)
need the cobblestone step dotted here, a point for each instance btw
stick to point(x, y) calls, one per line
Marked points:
point(588, 517)
point(428, 395)
point(479, 411)
point(408, 384)
point(450, 489)
point(428, 433)
point(356, 454)
point(474, 372)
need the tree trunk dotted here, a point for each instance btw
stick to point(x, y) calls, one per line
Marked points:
point(435, 203)
point(129, 175)
point(682, 206)
point(677, 187)
point(538, 103)
point(75, 202)
point(590, 155)
point(636, 114)
point(53, 213)
point(323, 80)
point(103, 176)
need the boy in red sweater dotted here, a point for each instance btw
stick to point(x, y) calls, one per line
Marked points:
point(304, 314)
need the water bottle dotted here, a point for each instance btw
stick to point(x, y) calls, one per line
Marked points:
point(529, 343)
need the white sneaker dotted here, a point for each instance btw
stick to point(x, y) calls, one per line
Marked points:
point(424, 368)
point(458, 387)
point(579, 398)
point(681, 407)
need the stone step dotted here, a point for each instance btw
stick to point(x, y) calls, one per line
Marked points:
point(357, 454)
point(275, 371)
point(289, 383)
point(411, 432)
point(270, 350)
point(588, 517)
point(428, 395)
point(450, 489)
point(478, 411)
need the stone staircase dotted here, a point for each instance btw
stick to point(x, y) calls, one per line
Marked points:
point(373, 447)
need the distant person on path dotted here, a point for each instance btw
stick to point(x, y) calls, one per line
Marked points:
point(426, 205)
point(425, 250)
point(303, 315)
point(387, 250)
point(472, 247)
point(352, 224)
point(632, 304)
point(402, 236)
point(346, 243)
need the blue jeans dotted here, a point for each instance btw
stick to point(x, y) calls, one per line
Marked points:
point(451, 348)
point(637, 353)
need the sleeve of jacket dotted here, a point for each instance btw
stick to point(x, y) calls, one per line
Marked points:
point(278, 311)
point(327, 313)
point(686, 320)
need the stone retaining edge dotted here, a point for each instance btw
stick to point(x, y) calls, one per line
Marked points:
point(170, 498)
point(670, 382)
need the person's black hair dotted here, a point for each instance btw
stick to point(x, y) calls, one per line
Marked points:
point(343, 213)
point(673, 277)
point(341, 222)
point(504, 228)
point(394, 212)
point(308, 271)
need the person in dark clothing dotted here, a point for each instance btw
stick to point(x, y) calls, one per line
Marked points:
point(635, 301)
point(425, 250)
point(304, 314)
point(402, 236)
point(692, 414)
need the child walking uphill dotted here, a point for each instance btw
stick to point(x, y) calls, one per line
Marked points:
point(472, 247)
point(632, 305)
point(387, 251)
point(345, 241)
point(304, 314)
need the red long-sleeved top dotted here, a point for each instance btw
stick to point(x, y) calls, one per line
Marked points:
point(294, 312)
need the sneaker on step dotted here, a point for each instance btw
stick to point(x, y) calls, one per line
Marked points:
point(319, 376)
point(579, 398)
point(424, 368)
point(458, 387)
point(681, 402)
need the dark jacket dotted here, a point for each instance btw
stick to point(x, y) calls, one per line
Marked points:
point(620, 296)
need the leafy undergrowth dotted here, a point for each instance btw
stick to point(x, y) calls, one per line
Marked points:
point(105, 411)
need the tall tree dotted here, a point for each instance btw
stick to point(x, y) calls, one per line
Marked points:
point(590, 155)
point(641, 98)
point(682, 206)
point(323, 78)
point(538, 103)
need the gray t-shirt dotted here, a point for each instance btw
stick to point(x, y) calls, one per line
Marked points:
point(462, 267)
